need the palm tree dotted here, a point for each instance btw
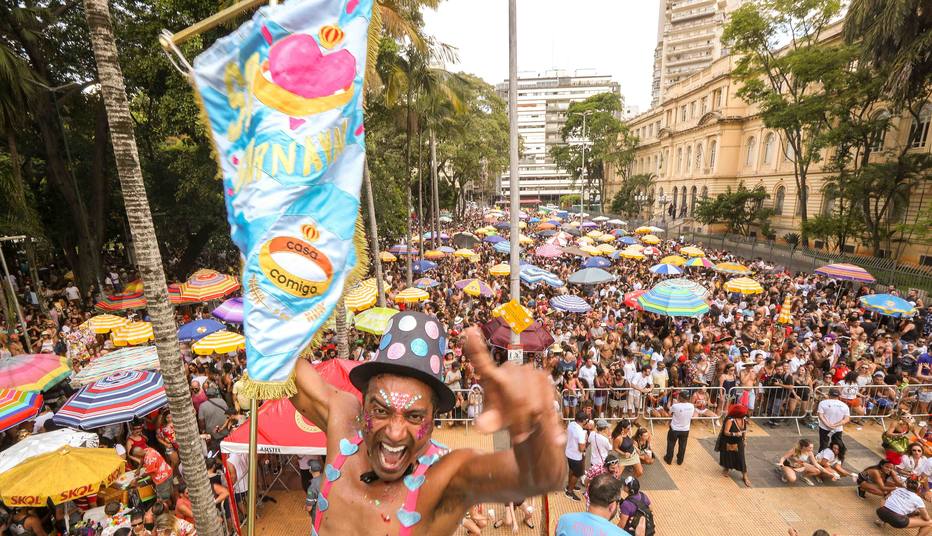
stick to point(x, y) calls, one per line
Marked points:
point(149, 261)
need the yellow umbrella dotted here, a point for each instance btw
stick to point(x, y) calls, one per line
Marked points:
point(219, 342)
point(132, 334)
point(386, 256)
point(133, 286)
point(743, 285)
point(636, 247)
point(474, 258)
point(482, 231)
point(362, 296)
point(675, 260)
point(595, 233)
point(650, 239)
point(583, 240)
point(61, 475)
point(411, 295)
point(786, 312)
point(693, 251)
point(502, 269)
point(632, 254)
point(590, 250)
point(104, 323)
point(434, 254)
point(732, 268)
point(522, 225)
point(606, 249)
point(464, 253)
point(524, 240)
point(642, 230)
point(606, 238)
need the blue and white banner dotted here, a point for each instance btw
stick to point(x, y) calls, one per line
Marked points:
point(283, 98)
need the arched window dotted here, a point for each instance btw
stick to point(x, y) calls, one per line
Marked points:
point(919, 132)
point(749, 158)
point(882, 120)
point(769, 145)
point(656, 163)
point(692, 201)
point(828, 202)
point(675, 199)
point(778, 198)
point(789, 153)
point(679, 159)
point(699, 161)
point(712, 149)
point(689, 159)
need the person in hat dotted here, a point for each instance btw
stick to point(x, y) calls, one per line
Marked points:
point(382, 447)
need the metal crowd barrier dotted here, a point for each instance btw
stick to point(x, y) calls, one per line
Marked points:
point(706, 400)
point(915, 398)
point(877, 402)
point(776, 403)
point(469, 404)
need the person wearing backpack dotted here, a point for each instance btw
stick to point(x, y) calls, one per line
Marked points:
point(635, 515)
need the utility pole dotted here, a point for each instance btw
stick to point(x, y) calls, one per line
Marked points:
point(584, 175)
point(514, 178)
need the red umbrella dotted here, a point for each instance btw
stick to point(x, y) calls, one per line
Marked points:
point(631, 299)
point(535, 338)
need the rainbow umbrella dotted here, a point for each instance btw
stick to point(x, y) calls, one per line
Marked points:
point(631, 298)
point(101, 324)
point(786, 312)
point(693, 251)
point(847, 272)
point(219, 342)
point(132, 334)
point(122, 360)
point(699, 262)
point(743, 285)
point(17, 407)
point(363, 296)
point(230, 311)
point(501, 269)
point(673, 300)
point(205, 285)
point(33, 372)
point(570, 304)
point(687, 284)
point(133, 286)
point(474, 287)
point(675, 260)
point(665, 269)
point(374, 320)
point(411, 295)
point(732, 268)
point(115, 399)
point(888, 304)
point(175, 297)
point(122, 302)
point(426, 282)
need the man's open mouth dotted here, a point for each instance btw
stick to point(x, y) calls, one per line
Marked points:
point(391, 457)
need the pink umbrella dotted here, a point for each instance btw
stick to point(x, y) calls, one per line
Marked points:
point(230, 311)
point(651, 250)
point(33, 372)
point(548, 250)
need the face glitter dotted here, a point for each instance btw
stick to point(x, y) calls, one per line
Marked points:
point(424, 429)
point(368, 421)
point(399, 401)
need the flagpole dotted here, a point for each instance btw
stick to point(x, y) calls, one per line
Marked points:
point(253, 467)
point(514, 178)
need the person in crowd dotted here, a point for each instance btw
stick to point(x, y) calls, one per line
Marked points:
point(732, 442)
point(903, 508)
point(634, 513)
point(575, 450)
point(878, 479)
point(800, 462)
point(599, 443)
point(604, 493)
point(833, 415)
point(833, 459)
point(682, 413)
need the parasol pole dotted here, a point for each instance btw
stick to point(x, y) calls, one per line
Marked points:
point(19, 311)
point(253, 467)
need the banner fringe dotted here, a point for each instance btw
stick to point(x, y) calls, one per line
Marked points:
point(268, 390)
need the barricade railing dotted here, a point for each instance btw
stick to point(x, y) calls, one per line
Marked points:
point(872, 401)
point(607, 402)
point(776, 403)
point(915, 398)
point(468, 406)
point(705, 399)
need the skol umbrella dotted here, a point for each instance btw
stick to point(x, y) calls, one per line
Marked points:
point(18, 406)
point(732, 268)
point(631, 298)
point(786, 311)
point(591, 250)
point(230, 311)
point(60, 476)
point(101, 324)
point(374, 320)
point(419, 267)
point(648, 229)
point(606, 238)
point(570, 304)
point(205, 285)
point(122, 302)
point(535, 338)
point(650, 239)
point(38, 444)
point(847, 272)
point(597, 262)
point(33, 372)
point(198, 329)
point(464, 253)
point(426, 282)
point(693, 251)
point(606, 249)
point(474, 287)
point(673, 301)
point(743, 285)
point(675, 260)
point(364, 295)
point(887, 304)
point(132, 334)
point(122, 360)
point(500, 270)
point(591, 276)
point(411, 295)
point(632, 254)
point(595, 233)
point(700, 262)
point(115, 399)
point(665, 269)
point(219, 342)
point(434, 254)
point(548, 251)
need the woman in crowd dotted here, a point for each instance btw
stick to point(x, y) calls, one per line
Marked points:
point(800, 462)
point(833, 459)
point(879, 479)
point(732, 441)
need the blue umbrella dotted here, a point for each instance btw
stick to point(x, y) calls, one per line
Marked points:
point(673, 300)
point(503, 247)
point(119, 398)
point(446, 249)
point(546, 234)
point(554, 222)
point(194, 331)
point(502, 225)
point(628, 240)
point(888, 304)
point(531, 275)
point(665, 269)
point(426, 282)
point(570, 304)
point(534, 220)
point(591, 276)
point(423, 266)
point(597, 262)
point(494, 239)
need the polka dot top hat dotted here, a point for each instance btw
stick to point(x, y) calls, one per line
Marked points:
point(413, 345)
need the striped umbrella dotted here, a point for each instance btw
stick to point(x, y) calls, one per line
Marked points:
point(133, 286)
point(652, 250)
point(474, 287)
point(786, 312)
point(411, 295)
point(700, 262)
point(693, 251)
point(743, 285)
point(115, 399)
point(531, 275)
point(363, 296)
point(101, 324)
point(675, 260)
point(132, 334)
point(374, 320)
point(665, 269)
point(219, 342)
point(503, 247)
point(650, 239)
point(500, 270)
point(426, 282)
point(732, 268)
point(33, 372)
point(887, 304)
point(17, 407)
point(847, 272)
point(386, 256)
point(570, 304)
point(230, 311)
point(673, 301)
point(175, 297)
point(687, 284)
point(122, 302)
point(205, 285)
point(124, 359)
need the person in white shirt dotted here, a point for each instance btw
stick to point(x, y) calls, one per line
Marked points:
point(833, 459)
point(903, 509)
point(588, 372)
point(575, 448)
point(914, 464)
point(833, 415)
point(682, 413)
point(599, 444)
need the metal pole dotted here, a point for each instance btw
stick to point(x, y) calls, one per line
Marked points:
point(19, 311)
point(253, 467)
point(582, 194)
point(513, 153)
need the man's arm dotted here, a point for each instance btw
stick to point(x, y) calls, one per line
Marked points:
point(314, 395)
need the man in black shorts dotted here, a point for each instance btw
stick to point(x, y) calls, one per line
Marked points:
point(904, 508)
point(575, 453)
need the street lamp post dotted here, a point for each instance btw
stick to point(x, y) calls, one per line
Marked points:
point(583, 175)
point(664, 200)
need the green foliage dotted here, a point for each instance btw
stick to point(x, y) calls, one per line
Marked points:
point(738, 210)
point(625, 202)
point(792, 239)
point(568, 200)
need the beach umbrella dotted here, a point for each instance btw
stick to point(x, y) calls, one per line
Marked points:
point(616, 221)
point(119, 398)
point(687, 284)
point(474, 287)
point(363, 296)
point(535, 338)
point(122, 360)
point(700, 262)
point(570, 304)
point(665, 269)
point(503, 247)
point(629, 240)
point(596, 262)
point(606, 238)
point(743, 285)
point(421, 266)
point(230, 310)
point(846, 272)
point(692, 251)
point(132, 334)
point(525, 240)
point(60, 476)
point(588, 225)
point(133, 286)
point(426, 282)
point(464, 253)
point(600, 219)
point(175, 297)
point(429, 235)
point(618, 232)
point(650, 239)
point(446, 219)
point(495, 239)
point(786, 311)
point(38, 444)
point(387, 256)
point(502, 225)
point(732, 268)
point(887, 304)
point(644, 229)
point(374, 320)
point(122, 302)
point(198, 329)
point(205, 285)
point(531, 275)
point(546, 226)
point(651, 250)
point(411, 295)
point(446, 249)
point(585, 241)
point(17, 407)
point(572, 230)
point(500, 270)
point(535, 219)
point(591, 276)
point(548, 251)
point(675, 260)
point(591, 250)
point(546, 234)
point(434, 254)
point(402, 249)
point(595, 233)
point(606, 249)
point(106, 323)
point(573, 250)
point(522, 225)
point(673, 301)
point(632, 254)
point(631, 298)
point(219, 342)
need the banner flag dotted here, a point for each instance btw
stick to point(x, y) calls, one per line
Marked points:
point(282, 97)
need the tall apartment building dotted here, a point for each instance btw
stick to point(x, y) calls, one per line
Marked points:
point(543, 99)
point(688, 40)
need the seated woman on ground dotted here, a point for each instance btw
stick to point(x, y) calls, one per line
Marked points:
point(833, 459)
point(915, 465)
point(642, 443)
point(879, 479)
point(801, 461)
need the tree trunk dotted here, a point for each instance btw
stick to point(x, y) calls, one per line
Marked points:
point(374, 237)
point(420, 194)
point(150, 265)
point(435, 194)
point(410, 278)
point(341, 326)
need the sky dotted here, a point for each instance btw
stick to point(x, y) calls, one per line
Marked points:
point(615, 37)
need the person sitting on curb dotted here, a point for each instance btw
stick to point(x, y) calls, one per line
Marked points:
point(801, 461)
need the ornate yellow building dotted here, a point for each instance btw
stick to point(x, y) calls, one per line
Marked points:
point(703, 139)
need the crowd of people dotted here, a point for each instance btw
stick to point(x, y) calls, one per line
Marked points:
point(615, 370)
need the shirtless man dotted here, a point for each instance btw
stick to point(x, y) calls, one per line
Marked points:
point(386, 476)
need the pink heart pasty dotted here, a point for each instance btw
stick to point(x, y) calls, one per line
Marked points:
point(296, 65)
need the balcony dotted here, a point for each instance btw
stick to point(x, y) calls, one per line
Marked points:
point(704, 58)
point(688, 4)
point(686, 37)
point(692, 14)
point(688, 48)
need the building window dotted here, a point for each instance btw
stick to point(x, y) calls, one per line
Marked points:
point(705, 192)
point(692, 109)
point(704, 105)
point(919, 131)
point(789, 153)
point(689, 159)
point(716, 99)
point(712, 147)
point(682, 201)
point(769, 143)
point(882, 119)
point(692, 201)
point(778, 199)
point(679, 159)
point(675, 199)
point(683, 113)
point(828, 203)
point(749, 158)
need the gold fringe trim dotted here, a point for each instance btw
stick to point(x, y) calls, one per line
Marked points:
point(268, 390)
